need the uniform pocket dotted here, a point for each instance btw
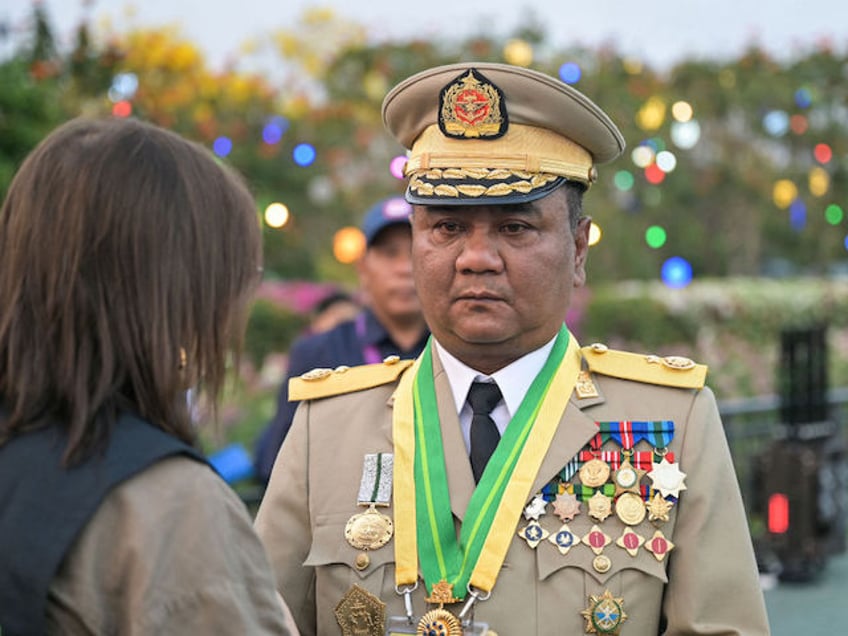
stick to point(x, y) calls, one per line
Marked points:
point(330, 548)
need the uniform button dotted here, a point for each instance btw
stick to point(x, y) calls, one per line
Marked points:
point(601, 563)
point(341, 368)
point(599, 347)
point(391, 359)
point(362, 561)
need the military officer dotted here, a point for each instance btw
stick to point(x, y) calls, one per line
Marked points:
point(508, 480)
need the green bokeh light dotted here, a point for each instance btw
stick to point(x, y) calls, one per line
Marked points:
point(624, 180)
point(655, 236)
point(834, 214)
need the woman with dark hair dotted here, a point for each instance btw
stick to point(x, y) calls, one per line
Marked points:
point(128, 257)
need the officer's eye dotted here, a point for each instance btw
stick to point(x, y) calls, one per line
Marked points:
point(448, 226)
point(514, 227)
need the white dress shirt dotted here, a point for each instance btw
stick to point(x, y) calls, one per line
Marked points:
point(513, 380)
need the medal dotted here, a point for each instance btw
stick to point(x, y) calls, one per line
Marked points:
point(658, 508)
point(667, 478)
point(566, 507)
point(600, 506)
point(440, 622)
point(630, 541)
point(596, 539)
point(535, 508)
point(533, 533)
point(659, 546)
point(627, 477)
point(594, 473)
point(605, 614)
point(360, 612)
point(563, 539)
point(371, 529)
point(630, 508)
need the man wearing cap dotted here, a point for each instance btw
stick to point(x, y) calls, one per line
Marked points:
point(391, 323)
point(508, 481)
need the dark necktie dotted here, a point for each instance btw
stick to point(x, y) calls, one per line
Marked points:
point(483, 396)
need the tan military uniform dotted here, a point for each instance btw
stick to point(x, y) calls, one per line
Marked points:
point(707, 583)
point(170, 551)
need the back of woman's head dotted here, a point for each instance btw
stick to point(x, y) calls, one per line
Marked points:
point(127, 258)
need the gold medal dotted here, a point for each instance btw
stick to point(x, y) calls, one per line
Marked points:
point(630, 508)
point(658, 508)
point(605, 614)
point(440, 621)
point(627, 477)
point(369, 530)
point(360, 612)
point(594, 473)
point(600, 506)
point(533, 533)
point(564, 539)
point(596, 539)
point(658, 545)
point(630, 541)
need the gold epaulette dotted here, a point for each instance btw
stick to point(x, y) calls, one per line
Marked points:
point(669, 370)
point(320, 383)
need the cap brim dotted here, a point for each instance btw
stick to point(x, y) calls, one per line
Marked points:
point(459, 199)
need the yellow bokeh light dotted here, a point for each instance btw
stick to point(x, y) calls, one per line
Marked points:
point(819, 182)
point(348, 244)
point(682, 111)
point(276, 215)
point(784, 193)
point(518, 52)
point(632, 65)
point(652, 114)
point(595, 234)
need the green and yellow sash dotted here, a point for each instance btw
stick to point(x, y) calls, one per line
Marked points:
point(423, 520)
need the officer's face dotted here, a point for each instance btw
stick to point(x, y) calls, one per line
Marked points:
point(385, 273)
point(495, 281)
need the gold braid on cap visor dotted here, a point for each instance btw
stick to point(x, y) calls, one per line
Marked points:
point(525, 158)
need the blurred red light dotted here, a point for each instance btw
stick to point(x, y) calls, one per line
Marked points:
point(778, 513)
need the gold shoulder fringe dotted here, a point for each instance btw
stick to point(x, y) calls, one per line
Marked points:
point(320, 383)
point(674, 371)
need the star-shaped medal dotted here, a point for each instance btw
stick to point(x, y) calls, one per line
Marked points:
point(658, 545)
point(600, 506)
point(627, 478)
point(533, 533)
point(667, 478)
point(564, 539)
point(566, 506)
point(535, 508)
point(658, 508)
point(630, 541)
point(605, 614)
point(596, 539)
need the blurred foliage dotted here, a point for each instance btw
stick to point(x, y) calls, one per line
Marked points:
point(326, 86)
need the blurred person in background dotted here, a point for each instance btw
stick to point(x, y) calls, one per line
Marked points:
point(127, 260)
point(336, 308)
point(391, 324)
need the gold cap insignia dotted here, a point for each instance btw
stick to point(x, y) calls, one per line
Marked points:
point(471, 107)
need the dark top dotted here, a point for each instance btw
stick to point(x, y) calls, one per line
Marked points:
point(362, 340)
point(44, 507)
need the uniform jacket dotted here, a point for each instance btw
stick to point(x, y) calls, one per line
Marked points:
point(344, 344)
point(708, 583)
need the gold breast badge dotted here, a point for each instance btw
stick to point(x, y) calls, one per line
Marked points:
point(605, 614)
point(369, 530)
point(440, 621)
point(360, 612)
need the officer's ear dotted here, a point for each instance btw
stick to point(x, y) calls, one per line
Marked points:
point(581, 249)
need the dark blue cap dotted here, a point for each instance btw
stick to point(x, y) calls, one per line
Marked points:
point(391, 211)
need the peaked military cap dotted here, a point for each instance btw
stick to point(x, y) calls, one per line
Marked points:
point(478, 133)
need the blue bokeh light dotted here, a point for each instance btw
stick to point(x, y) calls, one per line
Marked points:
point(274, 130)
point(798, 215)
point(304, 154)
point(776, 123)
point(222, 146)
point(570, 73)
point(803, 98)
point(676, 272)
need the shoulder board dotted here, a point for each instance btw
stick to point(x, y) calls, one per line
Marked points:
point(674, 371)
point(320, 383)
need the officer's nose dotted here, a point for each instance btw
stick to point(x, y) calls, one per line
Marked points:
point(480, 251)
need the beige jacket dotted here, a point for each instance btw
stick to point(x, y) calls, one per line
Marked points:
point(170, 551)
point(707, 585)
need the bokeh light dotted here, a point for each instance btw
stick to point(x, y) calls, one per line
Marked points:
point(304, 154)
point(682, 111)
point(570, 73)
point(685, 135)
point(397, 165)
point(798, 215)
point(276, 215)
point(652, 114)
point(624, 180)
point(823, 153)
point(666, 161)
point(818, 181)
point(655, 236)
point(834, 214)
point(274, 130)
point(798, 124)
point(642, 156)
point(222, 146)
point(784, 193)
point(122, 109)
point(776, 123)
point(348, 244)
point(124, 87)
point(595, 234)
point(654, 174)
point(518, 52)
point(676, 272)
point(803, 98)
